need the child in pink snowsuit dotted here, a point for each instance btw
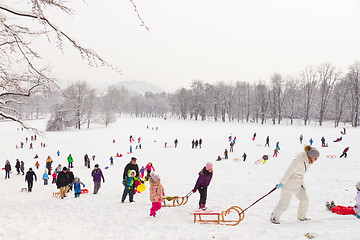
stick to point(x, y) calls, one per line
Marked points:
point(276, 152)
point(156, 192)
point(148, 168)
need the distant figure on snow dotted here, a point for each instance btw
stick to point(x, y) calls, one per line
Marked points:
point(344, 154)
point(244, 157)
point(267, 141)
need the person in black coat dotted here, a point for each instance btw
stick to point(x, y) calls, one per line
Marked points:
point(344, 154)
point(29, 178)
point(63, 182)
point(200, 142)
point(17, 166)
point(176, 142)
point(86, 160)
point(131, 166)
point(267, 141)
point(7, 169)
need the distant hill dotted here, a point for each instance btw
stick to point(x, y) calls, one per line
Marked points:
point(140, 86)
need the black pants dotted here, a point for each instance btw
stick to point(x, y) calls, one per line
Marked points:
point(126, 192)
point(267, 144)
point(203, 195)
point(344, 154)
point(147, 174)
point(30, 185)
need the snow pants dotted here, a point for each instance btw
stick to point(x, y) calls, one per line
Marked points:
point(97, 186)
point(342, 210)
point(30, 185)
point(63, 191)
point(155, 207)
point(126, 192)
point(284, 202)
point(77, 193)
point(203, 195)
point(344, 154)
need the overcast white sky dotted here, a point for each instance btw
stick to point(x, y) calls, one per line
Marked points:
point(209, 40)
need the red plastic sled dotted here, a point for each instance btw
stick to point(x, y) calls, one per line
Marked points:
point(84, 191)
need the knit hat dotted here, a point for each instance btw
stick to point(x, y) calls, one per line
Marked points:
point(209, 166)
point(64, 168)
point(96, 165)
point(313, 153)
point(130, 172)
point(154, 176)
point(358, 186)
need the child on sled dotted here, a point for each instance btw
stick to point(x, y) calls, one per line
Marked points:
point(351, 210)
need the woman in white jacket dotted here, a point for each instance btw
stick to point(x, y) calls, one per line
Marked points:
point(293, 183)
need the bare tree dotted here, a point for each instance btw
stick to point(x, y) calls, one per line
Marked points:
point(328, 75)
point(76, 101)
point(309, 85)
point(22, 71)
point(291, 96)
point(340, 98)
point(354, 78)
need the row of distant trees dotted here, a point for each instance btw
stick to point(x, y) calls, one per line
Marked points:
point(317, 93)
point(320, 93)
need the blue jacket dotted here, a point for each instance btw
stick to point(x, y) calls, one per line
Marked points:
point(45, 176)
point(129, 182)
point(77, 186)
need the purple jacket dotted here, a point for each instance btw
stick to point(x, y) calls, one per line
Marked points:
point(97, 175)
point(204, 179)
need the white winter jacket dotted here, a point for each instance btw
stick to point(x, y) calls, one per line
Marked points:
point(357, 205)
point(293, 179)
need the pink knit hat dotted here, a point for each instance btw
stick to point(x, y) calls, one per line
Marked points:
point(209, 166)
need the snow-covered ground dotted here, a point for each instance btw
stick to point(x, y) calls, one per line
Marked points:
point(38, 215)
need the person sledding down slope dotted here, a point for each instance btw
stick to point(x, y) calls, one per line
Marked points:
point(351, 210)
point(338, 139)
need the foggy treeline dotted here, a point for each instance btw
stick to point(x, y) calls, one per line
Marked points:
point(320, 93)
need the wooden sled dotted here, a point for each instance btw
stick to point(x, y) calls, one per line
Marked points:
point(176, 201)
point(259, 161)
point(331, 156)
point(56, 194)
point(238, 215)
point(258, 145)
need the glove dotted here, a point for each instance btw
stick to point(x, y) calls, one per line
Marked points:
point(103, 180)
point(84, 185)
point(278, 186)
point(163, 194)
point(194, 191)
point(160, 200)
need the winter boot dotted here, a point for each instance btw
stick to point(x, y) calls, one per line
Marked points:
point(332, 204)
point(328, 206)
point(273, 220)
point(304, 219)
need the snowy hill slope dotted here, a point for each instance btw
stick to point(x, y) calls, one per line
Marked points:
point(38, 215)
